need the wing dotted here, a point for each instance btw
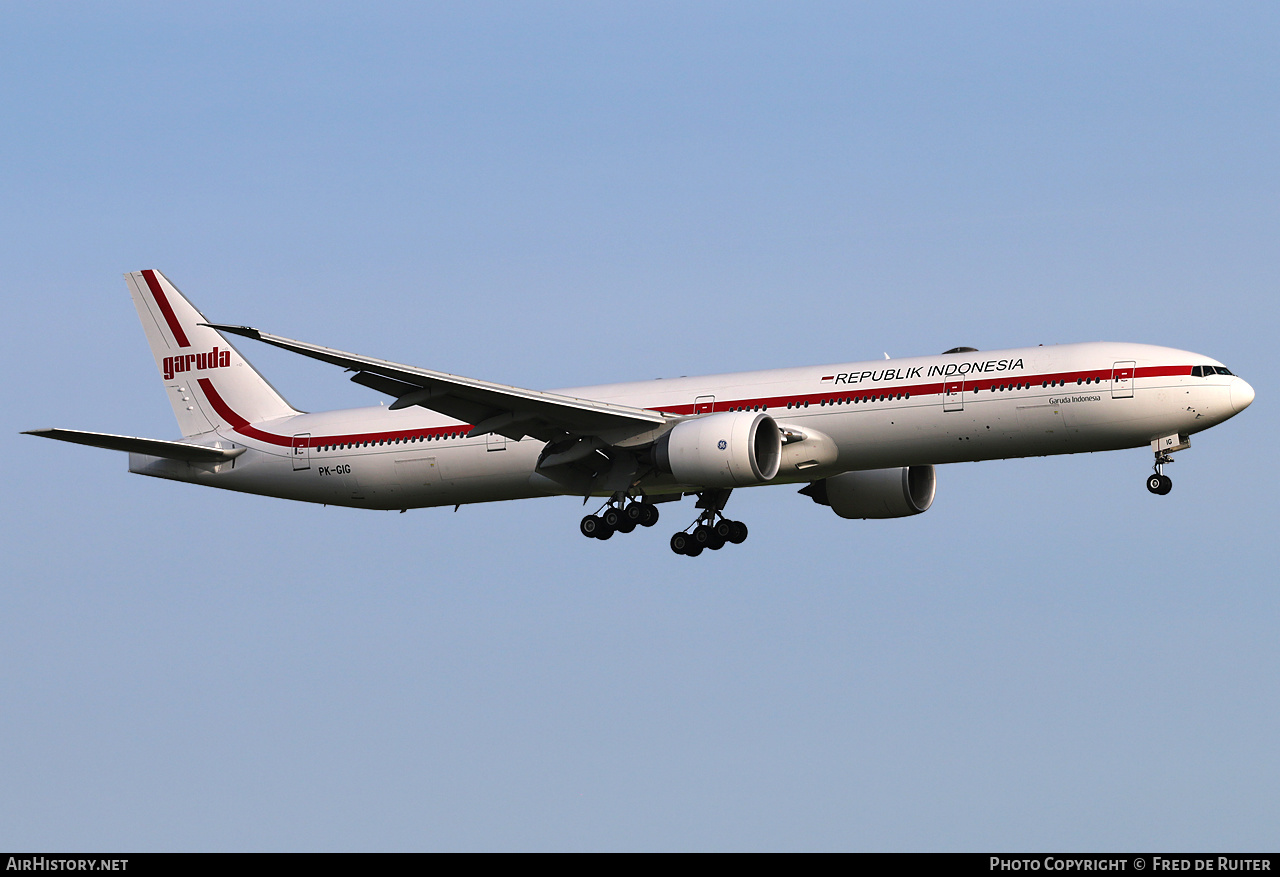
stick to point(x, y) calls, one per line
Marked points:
point(492, 408)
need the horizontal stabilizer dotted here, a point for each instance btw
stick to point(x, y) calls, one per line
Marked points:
point(151, 447)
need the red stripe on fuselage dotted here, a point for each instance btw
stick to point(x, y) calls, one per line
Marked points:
point(245, 428)
point(1066, 382)
point(165, 308)
point(867, 393)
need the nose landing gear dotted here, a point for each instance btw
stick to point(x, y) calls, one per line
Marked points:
point(1159, 483)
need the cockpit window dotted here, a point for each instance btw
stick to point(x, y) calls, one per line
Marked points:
point(1221, 370)
point(1208, 371)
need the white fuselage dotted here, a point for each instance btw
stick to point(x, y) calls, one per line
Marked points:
point(866, 415)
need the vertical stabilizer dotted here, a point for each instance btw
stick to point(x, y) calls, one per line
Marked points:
point(208, 382)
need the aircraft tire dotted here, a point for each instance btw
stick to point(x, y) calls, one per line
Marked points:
point(650, 514)
point(739, 534)
point(590, 526)
point(1166, 485)
point(701, 535)
point(612, 519)
point(680, 543)
point(1154, 483)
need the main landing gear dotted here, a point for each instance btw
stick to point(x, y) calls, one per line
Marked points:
point(622, 514)
point(619, 515)
point(714, 535)
point(711, 529)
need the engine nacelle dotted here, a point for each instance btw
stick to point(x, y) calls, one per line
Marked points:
point(729, 449)
point(877, 493)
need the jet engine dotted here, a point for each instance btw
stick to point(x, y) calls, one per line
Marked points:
point(730, 449)
point(877, 493)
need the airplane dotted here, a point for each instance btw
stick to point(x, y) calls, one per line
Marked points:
point(863, 438)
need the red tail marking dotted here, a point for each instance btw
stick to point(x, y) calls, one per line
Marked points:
point(225, 411)
point(165, 308)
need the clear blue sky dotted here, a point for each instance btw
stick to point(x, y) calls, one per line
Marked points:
point(554, 194)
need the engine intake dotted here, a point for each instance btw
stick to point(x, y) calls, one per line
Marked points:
point(729, 449)
point(877, 493)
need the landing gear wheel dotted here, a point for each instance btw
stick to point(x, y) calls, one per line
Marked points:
point(680, 543)
point(739, 534)
point(1166, 485)
point(626, 526)
point(591, 527)
point(717, 541)
point(701, 535)
point(723, 530)
point(694, 550)
point(612, 519)
point(650, 514)
point(1154, 483)
point(634, 514)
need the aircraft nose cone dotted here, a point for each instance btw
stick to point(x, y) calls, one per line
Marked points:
point(1241, 395)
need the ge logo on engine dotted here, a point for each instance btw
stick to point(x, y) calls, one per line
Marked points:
point(723, 444)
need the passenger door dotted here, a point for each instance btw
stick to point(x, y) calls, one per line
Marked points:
point(1122, 374)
